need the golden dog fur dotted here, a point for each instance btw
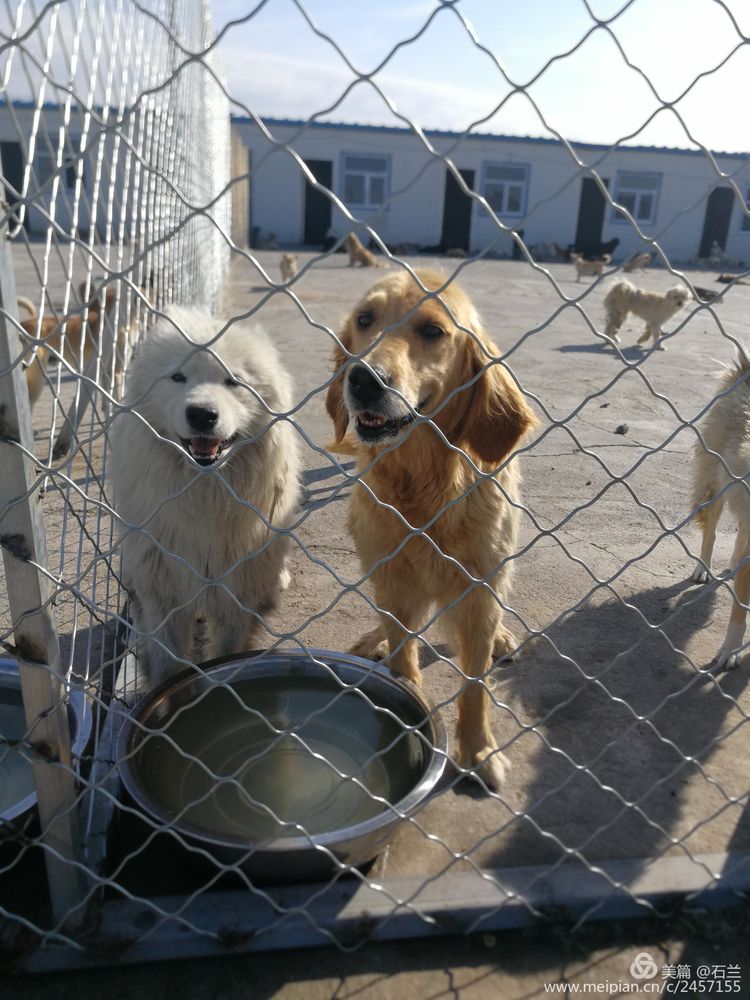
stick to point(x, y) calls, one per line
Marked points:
point(589, 268)
point(359, 254)
point(468, 525)
point(75, 345)
point(655, 307)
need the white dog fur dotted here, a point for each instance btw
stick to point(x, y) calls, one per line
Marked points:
point(726, 431)
point(655, 307)
point(289, 265)
point(197, 447)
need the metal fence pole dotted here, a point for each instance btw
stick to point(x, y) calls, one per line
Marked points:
point(30, 593)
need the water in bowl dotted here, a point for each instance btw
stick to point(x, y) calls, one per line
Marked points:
point(222, 767)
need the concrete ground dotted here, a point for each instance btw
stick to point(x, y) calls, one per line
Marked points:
point(619, 747)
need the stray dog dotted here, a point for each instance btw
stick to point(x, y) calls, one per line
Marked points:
point(726, 431)
point(418, 390)
point(289, 266)
point(655, 307)
point(589, 267)
point(69, 339)
point(203, 482)
point(359, 254)
point(637, 262)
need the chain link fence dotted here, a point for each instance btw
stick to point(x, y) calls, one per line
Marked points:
point(179, 489)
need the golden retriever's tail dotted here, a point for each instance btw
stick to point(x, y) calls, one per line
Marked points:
point(27, 305)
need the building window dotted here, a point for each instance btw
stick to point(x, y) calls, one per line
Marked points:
point(745, 224)
point(505, 186)
point(639, 194)
point(45, 166)
point(366, 180)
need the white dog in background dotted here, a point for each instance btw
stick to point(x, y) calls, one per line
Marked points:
point(726, 431)
point(654, 307)
point(203, 481)
point(289, 265)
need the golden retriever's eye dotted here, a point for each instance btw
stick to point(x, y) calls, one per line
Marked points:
point(431, 331)
point(365, 319)
point(178, 377)
point(232, 383)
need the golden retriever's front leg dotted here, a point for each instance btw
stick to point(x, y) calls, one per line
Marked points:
point(474, 623)
point(403, 609)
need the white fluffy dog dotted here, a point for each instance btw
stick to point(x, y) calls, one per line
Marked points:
point(289, 265)
point(203, 480)
point(726, 431)
point(655, 307)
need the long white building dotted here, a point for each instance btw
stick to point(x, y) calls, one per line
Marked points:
point(388, 178)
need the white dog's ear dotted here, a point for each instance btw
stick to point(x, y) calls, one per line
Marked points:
point(498, 415)
point(335, 404)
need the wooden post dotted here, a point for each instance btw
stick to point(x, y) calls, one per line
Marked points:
point(30, 592)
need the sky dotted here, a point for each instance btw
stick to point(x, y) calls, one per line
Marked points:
point(521, 67)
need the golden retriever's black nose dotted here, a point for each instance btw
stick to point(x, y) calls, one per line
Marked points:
point(202, 418)
point(367, 384)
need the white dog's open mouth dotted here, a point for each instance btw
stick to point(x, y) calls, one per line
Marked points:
point(207, 450)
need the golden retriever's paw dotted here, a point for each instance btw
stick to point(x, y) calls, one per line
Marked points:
point(487, 764)
point(371, 646)
point(660, 347)
point(505, 646)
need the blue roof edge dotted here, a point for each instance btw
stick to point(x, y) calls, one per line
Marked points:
point(402, 130)
point(487, 136)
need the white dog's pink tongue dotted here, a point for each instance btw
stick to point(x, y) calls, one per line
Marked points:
point(205, 447)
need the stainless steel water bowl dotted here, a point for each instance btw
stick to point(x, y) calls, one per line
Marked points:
point(284, 763)
point(17, 792)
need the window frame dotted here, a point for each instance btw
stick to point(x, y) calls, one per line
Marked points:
point(617, 217)
point(526, 185)
point(368, 174)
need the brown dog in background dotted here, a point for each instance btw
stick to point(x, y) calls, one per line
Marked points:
point(359, 254)
point(428, 367)
point(75, 345)
point(590, 268)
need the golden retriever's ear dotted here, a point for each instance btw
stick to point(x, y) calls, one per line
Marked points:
point(498, 415)
point(335, 404)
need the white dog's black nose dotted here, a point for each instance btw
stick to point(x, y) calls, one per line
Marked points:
point(367, 384)
point(202, 418)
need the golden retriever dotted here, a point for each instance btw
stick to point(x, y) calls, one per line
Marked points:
point(359, 254)
point(590, 268)
point(75, 344)
point(655, 307)
point(289, 266)
point(421, 391)
point(726, 431)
